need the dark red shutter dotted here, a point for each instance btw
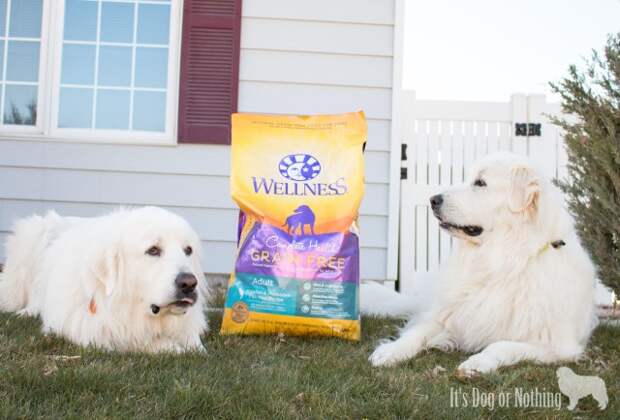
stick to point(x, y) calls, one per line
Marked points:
point(209, 81)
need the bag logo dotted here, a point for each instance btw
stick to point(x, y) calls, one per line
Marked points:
point(299, 167)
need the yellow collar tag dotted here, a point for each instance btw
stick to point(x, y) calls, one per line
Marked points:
point(544, 248)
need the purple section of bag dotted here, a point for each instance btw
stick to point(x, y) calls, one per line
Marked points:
point(240, 225)
point(270, 251)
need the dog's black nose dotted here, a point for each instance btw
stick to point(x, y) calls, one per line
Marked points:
point(186, 282)
point(436, 201)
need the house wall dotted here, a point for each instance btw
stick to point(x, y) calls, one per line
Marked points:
point(306, 57)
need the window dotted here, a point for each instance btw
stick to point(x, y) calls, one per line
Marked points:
point(20, 45)
point(113, 69)
point(114, 65)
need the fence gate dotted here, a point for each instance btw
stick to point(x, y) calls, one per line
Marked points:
point(441, 140)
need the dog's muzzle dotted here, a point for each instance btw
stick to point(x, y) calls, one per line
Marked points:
point(185, 294)
point(469, 230)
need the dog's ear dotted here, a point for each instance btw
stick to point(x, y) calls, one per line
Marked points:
point(109, 269)
point(524, 189)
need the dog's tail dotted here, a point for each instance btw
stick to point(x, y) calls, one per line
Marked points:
point(379, 300)
point(24, 252)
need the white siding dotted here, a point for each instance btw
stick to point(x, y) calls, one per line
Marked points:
point(313, 36)
point(295, 58)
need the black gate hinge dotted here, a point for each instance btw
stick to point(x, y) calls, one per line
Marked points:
point(403, 158)
point(528, 129)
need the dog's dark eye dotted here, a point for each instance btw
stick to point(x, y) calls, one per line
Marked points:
point(154, 251)
point(480, 183)
point(188, 250)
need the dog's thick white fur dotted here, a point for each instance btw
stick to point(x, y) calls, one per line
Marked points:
point(506, 292)
point(576, 387)
point(93, 281)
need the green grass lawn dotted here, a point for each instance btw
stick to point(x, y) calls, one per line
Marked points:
point(268, 377)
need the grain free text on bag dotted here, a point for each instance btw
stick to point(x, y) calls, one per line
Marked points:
point(298, 181)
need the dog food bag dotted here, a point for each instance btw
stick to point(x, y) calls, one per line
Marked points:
point(298, 181)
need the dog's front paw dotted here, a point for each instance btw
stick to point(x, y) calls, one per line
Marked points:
point(476, 365)
point(387, 354)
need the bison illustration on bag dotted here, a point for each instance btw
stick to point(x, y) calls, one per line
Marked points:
point(302, 216)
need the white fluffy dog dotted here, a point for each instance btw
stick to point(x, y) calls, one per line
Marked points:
point(129, 281)
point(576, 387)
point(519, 285)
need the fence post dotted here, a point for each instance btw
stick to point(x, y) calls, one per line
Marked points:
point(518, 102)
point(542, 145)
point(407, 131)
point(407, 103)
point(407, 230)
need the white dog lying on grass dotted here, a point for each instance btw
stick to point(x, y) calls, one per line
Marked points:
point(130, 280)
point(518, 287)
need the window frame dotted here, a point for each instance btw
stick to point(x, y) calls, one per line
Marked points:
point(42, 94)
point(50, 66)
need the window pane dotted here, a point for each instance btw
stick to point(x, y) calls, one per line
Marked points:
point(113, 109)
point(26, 18)
point(114, 66)
point(78, 64)
point(151, 67)
point(149, 111)
point(75, 108)
point(81, 20)
point(23, 61)
point(2, 16)
point(117, 22)
point(2, 43)
point(153, 24)
point(20, 105)
point(100, 38)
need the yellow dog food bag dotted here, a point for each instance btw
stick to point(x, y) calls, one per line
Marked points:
point(298, 181)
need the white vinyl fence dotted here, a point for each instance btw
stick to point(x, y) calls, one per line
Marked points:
point(442, 139)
